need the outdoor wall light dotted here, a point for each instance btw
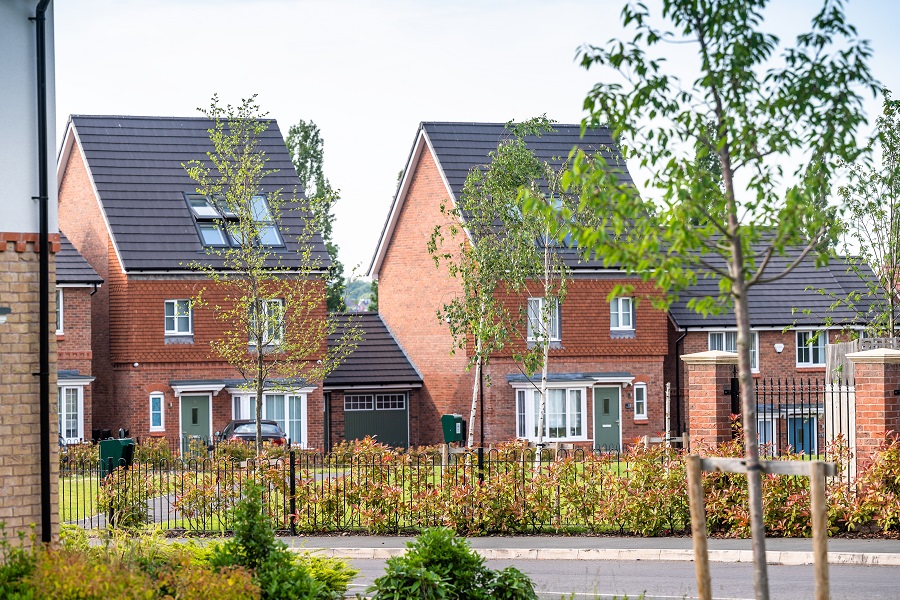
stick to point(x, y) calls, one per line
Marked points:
point(779, 348)
point(4, 310)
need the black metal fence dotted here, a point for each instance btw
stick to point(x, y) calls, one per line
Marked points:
point(382, 492)
point(807, 419)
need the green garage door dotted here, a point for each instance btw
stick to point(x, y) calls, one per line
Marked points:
point(382, 416)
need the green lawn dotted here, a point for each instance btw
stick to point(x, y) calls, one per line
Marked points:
point(77, 497)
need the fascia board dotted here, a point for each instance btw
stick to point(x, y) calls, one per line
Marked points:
point(243, 391)
point(87, 169)
point(781, 328)
point(374, 388)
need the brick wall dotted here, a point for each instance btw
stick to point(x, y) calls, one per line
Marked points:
point(771, 363)
point(80, 217)
point(410, 292)
point(74, 343)
point(20, 503)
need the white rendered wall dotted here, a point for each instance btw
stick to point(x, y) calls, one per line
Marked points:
point(18, 118)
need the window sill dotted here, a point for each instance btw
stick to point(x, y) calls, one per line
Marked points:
point(178, 339)
point(641, 420)
point(621, 334)
point(810, 368)
point(60, 336)
point(157, 433)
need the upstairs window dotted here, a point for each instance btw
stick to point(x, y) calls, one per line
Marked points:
point(272, 327)
point(621, 316)
point(811, 348)
point(535, 320)
point(178, 317)
point(726, 341)
point(217, 223)
point(59, 311)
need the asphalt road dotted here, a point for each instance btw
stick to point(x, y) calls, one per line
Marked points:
point(582, 579)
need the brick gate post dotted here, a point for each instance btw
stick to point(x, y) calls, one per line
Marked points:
point(877, 375)
point(709, 407)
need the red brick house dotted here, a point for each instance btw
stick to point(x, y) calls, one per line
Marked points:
point(609, 359)
point(130, 209)
point(76, 282)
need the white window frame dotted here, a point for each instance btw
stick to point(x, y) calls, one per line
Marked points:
point(640, 410)
point(162, 411)
point(722, 343)
point(617, 313)
point(62, 412)
point(820, 344)
point(60, 323)
point(528, 429)
point(271, 338)
point(535, 312)
point(372, 401)
point(243, 406)
point(176, 315)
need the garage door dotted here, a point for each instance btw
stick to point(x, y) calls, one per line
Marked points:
point(382, 416)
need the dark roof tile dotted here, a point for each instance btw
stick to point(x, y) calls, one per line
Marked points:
point(136, 165)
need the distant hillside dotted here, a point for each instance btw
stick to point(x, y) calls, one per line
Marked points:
point(357, 294)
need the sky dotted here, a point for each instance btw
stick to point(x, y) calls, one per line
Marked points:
point(368, 72)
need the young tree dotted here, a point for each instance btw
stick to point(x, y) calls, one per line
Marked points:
point(275, 329)
point(505, 251)
point(770, 107)
point(307, 149)
point(872, 220)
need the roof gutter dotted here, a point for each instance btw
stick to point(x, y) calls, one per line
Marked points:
point(44, 265)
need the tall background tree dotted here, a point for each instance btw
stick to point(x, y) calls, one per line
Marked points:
point(872, 219)
point(307, 150)
point(771, 108)
point(275, 333)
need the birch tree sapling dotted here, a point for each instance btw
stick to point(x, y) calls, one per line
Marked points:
point(275, 327)
point(498, 252)
point(770, 107)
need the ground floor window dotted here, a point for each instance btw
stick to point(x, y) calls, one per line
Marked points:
point(70, 410)
point(285, 408)
point(564, 417)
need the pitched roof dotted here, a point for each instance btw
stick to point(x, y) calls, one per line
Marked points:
point(71, 267)
point(782, 302)
point(460, 147)
point(378, 359)
point(135, 164)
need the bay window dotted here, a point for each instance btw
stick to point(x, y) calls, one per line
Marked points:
point(564, 418)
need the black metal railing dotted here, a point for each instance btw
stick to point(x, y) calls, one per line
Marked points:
point(510, 491)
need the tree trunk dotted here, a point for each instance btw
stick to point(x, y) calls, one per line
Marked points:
point(748, 418)
point(470, 439)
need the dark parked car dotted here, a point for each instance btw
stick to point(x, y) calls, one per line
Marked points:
point(244, 430)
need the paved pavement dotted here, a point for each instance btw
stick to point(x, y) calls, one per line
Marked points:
point(779, 551)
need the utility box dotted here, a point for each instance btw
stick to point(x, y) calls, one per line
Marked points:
point(120, 452)
point(454, 428)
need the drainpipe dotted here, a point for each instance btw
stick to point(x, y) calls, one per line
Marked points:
point(678, 415)
point(44, 265)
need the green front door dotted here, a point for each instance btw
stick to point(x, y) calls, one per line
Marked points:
point(607, 430)
point(194, 424)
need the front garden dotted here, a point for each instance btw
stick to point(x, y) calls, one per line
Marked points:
point(368, 488)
